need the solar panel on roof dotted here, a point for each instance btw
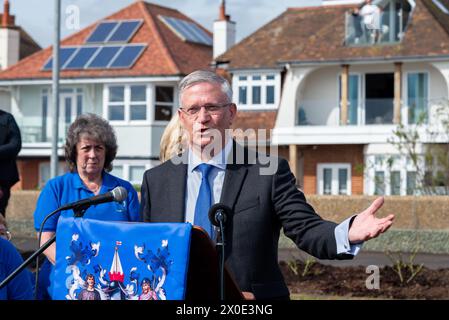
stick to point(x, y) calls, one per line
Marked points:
point(83, 55)
point(102, 32)
point(125, 31)
point(199, 33)
point(64, 55)
point(127, 56)
point(188, 31)
point(104, 57)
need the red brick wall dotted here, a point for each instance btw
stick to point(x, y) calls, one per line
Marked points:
point(313, 155)
point(29, 174)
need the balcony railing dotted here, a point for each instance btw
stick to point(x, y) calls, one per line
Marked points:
point(386, 27)
point(34, 130)
point(380, 111)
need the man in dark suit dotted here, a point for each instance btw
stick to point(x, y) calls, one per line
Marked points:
point(10, 145)
point(217, 169)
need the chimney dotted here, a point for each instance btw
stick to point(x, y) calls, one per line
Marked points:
point(9, 39)
point(224, 31)
point(5, 20)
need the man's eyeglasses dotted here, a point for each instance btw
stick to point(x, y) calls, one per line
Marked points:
point(211, 109)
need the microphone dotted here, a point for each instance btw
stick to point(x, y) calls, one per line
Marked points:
point(118, 194)
point(217, 217)
point(218, 213)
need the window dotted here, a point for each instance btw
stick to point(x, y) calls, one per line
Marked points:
point(327, 181)
point(411, 183)
point(130, 170)
point(391, 174)
point(70, 107)
point(164, 103)
point(379, 183)
point(334, 179)
point(395, 183)
point(256, 94)
point(417, 96)
point(44, 172)
point(136, 174)
point(379, 160)
point(242, 94)
point(116, 103)
point(270, 95)
point(343, 181)
point(353, 98)
point(256, 91)
point(138, 103)
point(44, 115)
point(79, 102)
point(117, 171)
point(133, 103)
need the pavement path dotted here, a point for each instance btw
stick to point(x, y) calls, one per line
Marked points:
point(365, 258)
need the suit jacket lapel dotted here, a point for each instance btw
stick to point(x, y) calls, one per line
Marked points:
point(234, 177)
point(177, 179)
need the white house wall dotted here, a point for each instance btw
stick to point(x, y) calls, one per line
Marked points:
point(293, 79)
point(5, 101)
point(133, 141)
point(319, 97)
point(156, 135)
point(443, 69)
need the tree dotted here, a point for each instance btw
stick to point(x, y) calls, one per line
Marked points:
point(426, 145)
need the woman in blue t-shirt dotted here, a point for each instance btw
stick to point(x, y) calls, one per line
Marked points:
point(90, 148)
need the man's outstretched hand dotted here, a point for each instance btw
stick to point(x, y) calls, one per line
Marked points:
point(366, 226)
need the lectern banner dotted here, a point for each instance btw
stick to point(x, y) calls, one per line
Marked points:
point(106, 260)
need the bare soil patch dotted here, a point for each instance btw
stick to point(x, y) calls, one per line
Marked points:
point(351, 282)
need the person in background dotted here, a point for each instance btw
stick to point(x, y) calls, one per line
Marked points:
point(20, 287)
point(370, 14)
point(357, 24)
point(10, 145)
point(173, 140)
point(90, 148)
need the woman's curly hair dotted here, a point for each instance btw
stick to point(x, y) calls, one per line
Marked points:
point(93, 127)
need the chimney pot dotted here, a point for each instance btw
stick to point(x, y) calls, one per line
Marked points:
point(5, 20)
point(222, 15)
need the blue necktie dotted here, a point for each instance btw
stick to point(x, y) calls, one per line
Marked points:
point(204, 200)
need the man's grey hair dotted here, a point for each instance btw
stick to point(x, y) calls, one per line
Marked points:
point(201, 76)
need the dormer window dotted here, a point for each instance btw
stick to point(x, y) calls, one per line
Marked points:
point(377, 22)
point(259, 91)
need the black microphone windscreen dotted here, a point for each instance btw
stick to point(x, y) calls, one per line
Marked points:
point(214, 209)
point(119, 194)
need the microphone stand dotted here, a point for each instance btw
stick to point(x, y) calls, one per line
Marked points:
point(221, 252)
point(78, 212)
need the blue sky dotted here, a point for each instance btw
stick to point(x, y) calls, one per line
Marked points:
point(36, 16)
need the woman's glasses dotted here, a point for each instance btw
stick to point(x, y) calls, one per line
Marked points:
point(4, 233)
